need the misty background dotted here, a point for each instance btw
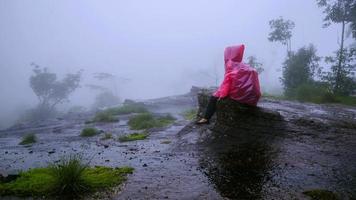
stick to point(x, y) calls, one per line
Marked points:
point(156, 48)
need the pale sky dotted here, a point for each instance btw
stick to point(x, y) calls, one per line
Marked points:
point(163, 47)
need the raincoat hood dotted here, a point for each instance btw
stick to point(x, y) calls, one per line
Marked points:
point(233, 56)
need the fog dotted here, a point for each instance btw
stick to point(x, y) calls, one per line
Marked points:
point(158, 47)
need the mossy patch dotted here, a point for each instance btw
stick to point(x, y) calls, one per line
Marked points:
point(320, 194)
point(43, 182)
point(133, 137)
point(89, 132)
point(147, 120)
point(190, 114)
point(28, 139)
point(166, 142)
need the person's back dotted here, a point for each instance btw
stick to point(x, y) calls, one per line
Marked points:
point(240, 82)
point(245, 87)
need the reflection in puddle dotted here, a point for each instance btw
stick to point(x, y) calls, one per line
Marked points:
point(239, 166)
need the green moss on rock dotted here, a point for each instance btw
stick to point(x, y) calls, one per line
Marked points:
point(42, 181)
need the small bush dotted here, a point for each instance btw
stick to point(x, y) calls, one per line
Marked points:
point(127, 109)
point(105, 116)
point(165, 121)
point(107, 136)
point(89, 132)
point(146, 121)
point(28, 139)
point(190, 114)
point(133, 137)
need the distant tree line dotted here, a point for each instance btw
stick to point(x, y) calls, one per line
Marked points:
point(302, 75)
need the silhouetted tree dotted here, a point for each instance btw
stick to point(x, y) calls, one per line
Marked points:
point(49, 90)
point(342, 80)
point(252, 61)
point(107, 96)
point(339, 12)
point(281, 32)
point(353, 18)
point(300, 68)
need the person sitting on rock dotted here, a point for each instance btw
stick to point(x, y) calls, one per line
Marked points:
point(240, 82)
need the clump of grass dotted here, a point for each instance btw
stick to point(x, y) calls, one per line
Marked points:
point(107, 136)
point(133, 137)
point(165, 120)
point(147, 120)
point(105, 116)
point(127, 109)
point(89, 132)
point(319, 194)
point(28, 139)
point(70, 177)
point(190, 114)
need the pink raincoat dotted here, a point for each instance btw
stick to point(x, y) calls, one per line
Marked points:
point(240, 80)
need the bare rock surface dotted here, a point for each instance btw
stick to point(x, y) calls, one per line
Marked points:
point(274, 151)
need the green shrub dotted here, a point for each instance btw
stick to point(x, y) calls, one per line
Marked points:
point(190, 114)
point(133, 137)
point(310, 92)
point(328, 97)
point(28, 139)
point(69, 178)
point(89, 132)
point(147, 120)
point(107, 136)
point(105, 116)
point(127, 109)
point(165, 120)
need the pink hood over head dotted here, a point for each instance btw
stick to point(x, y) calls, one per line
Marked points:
point(233, 56)
point(240, 80)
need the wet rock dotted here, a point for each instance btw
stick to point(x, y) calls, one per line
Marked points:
point(52, 152)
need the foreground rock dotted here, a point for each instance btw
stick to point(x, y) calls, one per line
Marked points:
point(276, 151)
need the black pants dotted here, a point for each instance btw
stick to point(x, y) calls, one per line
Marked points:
point(210, 109)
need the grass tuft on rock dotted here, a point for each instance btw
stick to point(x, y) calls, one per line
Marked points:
point(320, 194)
point(68, 176)
point(133, 137)
point(190, 114)
point(89, 132)
point(28, 139)
point(147, 120)
point(71, 177)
